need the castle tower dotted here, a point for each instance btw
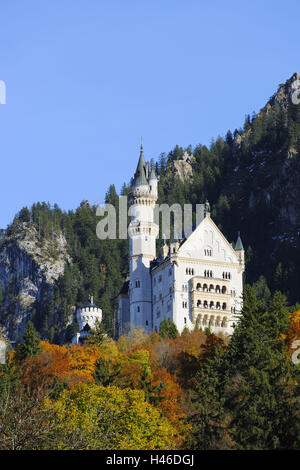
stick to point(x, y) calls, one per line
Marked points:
point(142, 233)
point(86, 317)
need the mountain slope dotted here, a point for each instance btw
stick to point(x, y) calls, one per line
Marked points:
point(51, 261)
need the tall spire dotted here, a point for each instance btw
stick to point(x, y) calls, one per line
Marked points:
point(141, 170)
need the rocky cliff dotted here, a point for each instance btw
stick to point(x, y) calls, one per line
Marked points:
point(29, 265)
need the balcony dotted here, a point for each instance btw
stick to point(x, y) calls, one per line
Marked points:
point(210, 318)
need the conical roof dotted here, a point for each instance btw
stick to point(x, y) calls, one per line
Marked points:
point(141, 171)
point(239, 244)
point(152, 174)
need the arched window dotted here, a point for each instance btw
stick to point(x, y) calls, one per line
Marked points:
point(208, 251)
point(224, 322)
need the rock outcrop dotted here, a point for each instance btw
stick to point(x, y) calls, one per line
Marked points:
point(183, 168)
point(28, 264)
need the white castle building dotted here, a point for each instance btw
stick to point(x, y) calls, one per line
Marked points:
point(198, 279)
point(86, 317)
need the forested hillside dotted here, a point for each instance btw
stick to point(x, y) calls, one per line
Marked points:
point(160, 391)
point(251, 178)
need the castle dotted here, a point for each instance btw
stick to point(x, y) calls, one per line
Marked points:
point(194, 280)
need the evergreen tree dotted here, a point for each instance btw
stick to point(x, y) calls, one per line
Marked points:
point(97, 334)
point(106, 371)
point(31, 343)
point(208, 416)
point(168, 329)
point(261, 391)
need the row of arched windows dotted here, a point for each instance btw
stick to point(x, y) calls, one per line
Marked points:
point(143, 202)
point(211, 304)
point(211, 320)
point(211, 288)
point(189, 271)
point(226, 275)
point(208, 273)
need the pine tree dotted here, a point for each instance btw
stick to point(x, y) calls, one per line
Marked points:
point(261, 392)
point(31, 343)
point(168, 329)
point(97, 334)
point(106, 371)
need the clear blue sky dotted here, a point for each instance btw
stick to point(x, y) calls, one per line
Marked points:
point(86, 78)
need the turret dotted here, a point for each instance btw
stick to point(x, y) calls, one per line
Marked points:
point(141, 174)
point(240, 250)
point(206, 209)
point(164, 249)
point(153, 181)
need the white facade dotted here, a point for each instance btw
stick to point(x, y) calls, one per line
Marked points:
point(86, 317)
point(196, 280)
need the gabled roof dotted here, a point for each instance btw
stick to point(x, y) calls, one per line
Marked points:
point(208, 220)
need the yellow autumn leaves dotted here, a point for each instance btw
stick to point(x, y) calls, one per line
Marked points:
point(96, 417)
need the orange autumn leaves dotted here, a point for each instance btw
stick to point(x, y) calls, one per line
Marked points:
point(71, 365)
point(134, 365)
point(161, 369)
point(293, 333)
